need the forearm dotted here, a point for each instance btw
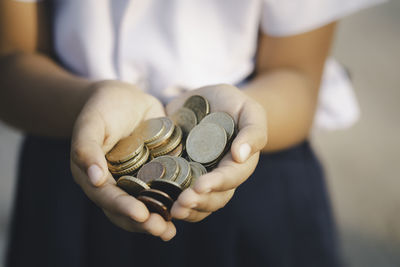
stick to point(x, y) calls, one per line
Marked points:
point(289, 98)
point(38, 96)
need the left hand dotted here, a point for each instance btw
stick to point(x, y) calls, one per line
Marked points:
point(213, 190)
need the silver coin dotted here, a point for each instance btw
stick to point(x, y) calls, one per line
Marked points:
point(185, 118)
point(199, 105)
point(224, 120)
point(206, 142)
point(184, 173)
point(202, 170)
point(197, 171)
point(171, 166)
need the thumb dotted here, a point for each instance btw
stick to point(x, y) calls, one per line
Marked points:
point(252, 135)
point(86, 149)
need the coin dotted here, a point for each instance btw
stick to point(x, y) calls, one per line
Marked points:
point(134, 167)
point(224, 120)
point(150, 129)
point(171, 167)
point(184, 118)
point(127, 164)
point(177, 152)
point(168, 130)
point(125, 149)
point(199, 105)
point(171, 188)
point(158, 195)
point(132, 185)
point(150, 171)
point(170, 145)
point(184, 175)
point(206, 142)
point(156, 206)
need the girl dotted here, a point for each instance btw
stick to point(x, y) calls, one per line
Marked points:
point(77, 76)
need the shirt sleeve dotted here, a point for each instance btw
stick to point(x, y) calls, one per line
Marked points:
point(290, 17)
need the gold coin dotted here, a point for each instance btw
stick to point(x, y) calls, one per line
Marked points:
point(134, 167)
point(224, 120)
point(184, 118)
point(150, 129)
point(127, 164)
point(168, 130)
point(206, 142)
point(172, 143)
point(171, 167)
point(132, 185)
point(199, 105)
point(125, 149)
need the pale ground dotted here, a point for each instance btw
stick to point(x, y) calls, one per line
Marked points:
point(362, 163)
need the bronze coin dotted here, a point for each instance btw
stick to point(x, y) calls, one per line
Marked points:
point(158, 195)
point(185, 118)
point(150, 129)
point(224, 120)
point(171, 167)
point(125, 149)
point(150, 171)
point(171, 188)
point(156, 206)
point(199, 105)
point(132, 185)
point(206, 142)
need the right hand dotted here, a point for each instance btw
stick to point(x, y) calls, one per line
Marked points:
point(112, 113)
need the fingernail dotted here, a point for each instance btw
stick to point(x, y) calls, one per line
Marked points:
point(95, 174)
point(244, 152)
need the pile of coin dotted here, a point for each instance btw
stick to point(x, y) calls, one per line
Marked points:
point(152, 138)
point(164, 156)
point(159, 182)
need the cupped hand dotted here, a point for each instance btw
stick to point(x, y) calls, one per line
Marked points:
point(213, 190)
point(112, 113)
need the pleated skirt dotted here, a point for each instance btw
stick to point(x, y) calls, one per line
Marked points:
point(281, 216)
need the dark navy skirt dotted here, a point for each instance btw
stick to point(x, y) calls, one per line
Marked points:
point(280, 216)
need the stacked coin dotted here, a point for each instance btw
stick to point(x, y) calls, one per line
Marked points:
point(127, 156)
point(204, 136)
point(159, 182)
point(152, 138)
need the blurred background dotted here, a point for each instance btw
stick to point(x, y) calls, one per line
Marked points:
point(362, 163)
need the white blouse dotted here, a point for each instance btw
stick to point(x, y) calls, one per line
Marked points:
point(169, 46)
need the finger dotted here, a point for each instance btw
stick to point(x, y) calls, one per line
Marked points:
point(86, 147)
point(228, 175)
point(169, 233)
point(187, 214)
point(110, 197)
point(210, 202)
point(252, 135)
point(155, 225)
